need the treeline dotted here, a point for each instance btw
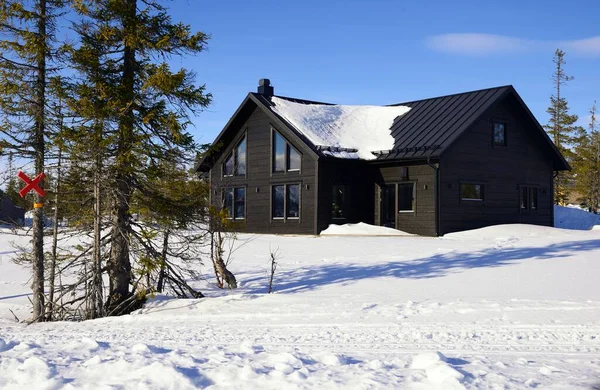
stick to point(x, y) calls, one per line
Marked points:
point(579, 145)
point(106, 117)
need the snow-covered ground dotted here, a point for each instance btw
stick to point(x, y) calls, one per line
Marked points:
point(512, 306)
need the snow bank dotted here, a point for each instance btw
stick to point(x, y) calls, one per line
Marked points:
point(573, 217)
point(508, 231)
point(361, 229)
point(366, 128)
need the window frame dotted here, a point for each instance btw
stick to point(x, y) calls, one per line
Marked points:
point(504, 125)
point(531, 190)
point(232, 211)
point(472, 200)
point(524, 190)
point(414, 197)
point(345, 191)
point(286, 155)
point(233, 153)
point(285, 202)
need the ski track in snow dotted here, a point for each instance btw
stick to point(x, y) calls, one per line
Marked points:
point(504, 307)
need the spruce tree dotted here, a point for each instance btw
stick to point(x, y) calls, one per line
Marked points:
point(27, 34)
point(587, 166)
point(561, 128)
point(149, 106)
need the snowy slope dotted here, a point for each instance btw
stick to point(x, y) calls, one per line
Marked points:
point(502, 307)
point(366, 128)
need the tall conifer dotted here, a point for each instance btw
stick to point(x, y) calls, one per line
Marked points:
point(26, 42)
point(561, 127)
point(148, 107)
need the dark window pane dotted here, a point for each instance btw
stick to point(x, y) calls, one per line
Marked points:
point(278, 152)
point(293, 158)
point(228, 166)
point(404, 173)
point(405, 197)
point(524, 198)
point(240, 154)
point(534, 198)
point(240, 203)
point(278, 192)
point(228, 202)
point(293, 201)
point(388, 205)
point(470, 191)
point(499, 134)
point(338, 207)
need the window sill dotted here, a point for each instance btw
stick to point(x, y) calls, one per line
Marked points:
point(406, 211)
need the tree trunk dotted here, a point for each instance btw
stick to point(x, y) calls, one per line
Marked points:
point(37, 284)
point(119, 266)
point(97, 293)
point(220, 266)
point(163, 264)
point(54, 238)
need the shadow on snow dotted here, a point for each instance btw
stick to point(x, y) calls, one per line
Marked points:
point(312, 277)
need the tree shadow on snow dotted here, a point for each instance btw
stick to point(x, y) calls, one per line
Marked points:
point(313, 277)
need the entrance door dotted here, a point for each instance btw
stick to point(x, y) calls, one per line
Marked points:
point(388, 205)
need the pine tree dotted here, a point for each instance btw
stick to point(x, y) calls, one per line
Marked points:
point(561, 128)
point(148, 104)
point(587, 165)
point(27, 29)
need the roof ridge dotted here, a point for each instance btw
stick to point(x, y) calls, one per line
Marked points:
point(305, 101)
point(450, 95)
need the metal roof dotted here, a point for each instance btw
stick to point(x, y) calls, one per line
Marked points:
point(433, 124)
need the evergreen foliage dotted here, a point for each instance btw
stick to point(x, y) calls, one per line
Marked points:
point(587, 165)
point(142, 109)
point(26, 51)
point(561, 128)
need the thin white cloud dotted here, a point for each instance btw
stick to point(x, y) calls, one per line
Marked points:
point(476, 44)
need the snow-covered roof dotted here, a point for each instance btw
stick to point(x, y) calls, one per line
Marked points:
point(362, 129)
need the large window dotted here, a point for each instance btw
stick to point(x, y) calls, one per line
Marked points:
point(499, 133)
point(471, 191)
point(406, 197)
point(285, 201)
point(339, 202)
point(285, 156)
point(234, 201)
point(235, 163)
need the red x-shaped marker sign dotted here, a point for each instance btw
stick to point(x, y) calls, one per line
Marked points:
point(31, 184)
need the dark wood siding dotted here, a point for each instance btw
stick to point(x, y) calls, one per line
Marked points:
point(422, 220)
point(358, 177)
point(259, 179)
point(501, 169)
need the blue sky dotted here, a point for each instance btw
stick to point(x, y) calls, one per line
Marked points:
point(383, 52)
